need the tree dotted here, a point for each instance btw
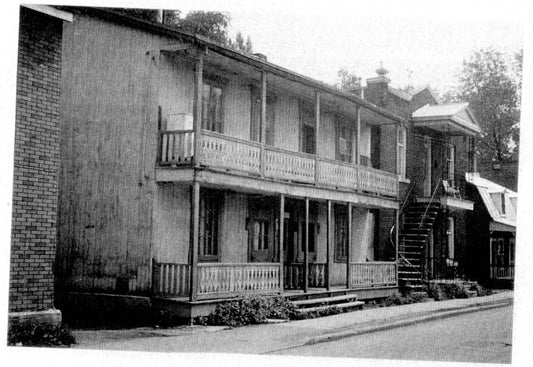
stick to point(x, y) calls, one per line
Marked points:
point(347, 81)
point(491, 86)
point(240, 45)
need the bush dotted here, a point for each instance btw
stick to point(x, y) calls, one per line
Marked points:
point(247, 311)
point(39, 336)
point(443, 291)
point(480, 290)
point(397, 300)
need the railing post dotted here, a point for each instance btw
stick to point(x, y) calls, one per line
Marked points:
point(263, 122)
point(197, 119)
point(195, 224)
point(306, 249)
point(349, 247)
point(329, 250)
point(317, 128)
point(281, 237)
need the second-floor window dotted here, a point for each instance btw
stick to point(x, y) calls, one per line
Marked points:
point(255, 123)
point(307, 129)
point(212, 114)
point(344, 142)
point(402, 155)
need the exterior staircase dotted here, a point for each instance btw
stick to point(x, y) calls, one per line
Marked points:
point(417, 223)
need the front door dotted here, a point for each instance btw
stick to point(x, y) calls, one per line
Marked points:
point(261, 231)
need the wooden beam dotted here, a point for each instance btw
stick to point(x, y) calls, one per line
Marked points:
point(358, 137)
point(195, 234)
point(317, 128)
point(281, 237)
point(329, 249)
point(349, 247)
point(262, 127)
point(197, 120)
point(306, 247)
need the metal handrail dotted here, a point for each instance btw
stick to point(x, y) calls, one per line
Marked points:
point(405, 201)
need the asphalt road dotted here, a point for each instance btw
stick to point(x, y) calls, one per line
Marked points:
point(484, 336)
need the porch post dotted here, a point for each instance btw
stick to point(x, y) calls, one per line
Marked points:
point(194, 230)
point(358, 137)
point(263, 121)
point(306, 248)
point(281, 236)
point(396, 239)
point(349, 247)
point(329, 250)
point(317, 128)
point(197, 119)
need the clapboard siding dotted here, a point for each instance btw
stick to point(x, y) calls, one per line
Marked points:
point(234, 233)
point(287, 126)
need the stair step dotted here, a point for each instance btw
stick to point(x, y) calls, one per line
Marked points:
point(340, 305)
point(328, 300)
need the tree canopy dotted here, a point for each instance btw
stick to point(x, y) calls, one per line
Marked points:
point(491, 82)
point(347, 81)
point(211, 24)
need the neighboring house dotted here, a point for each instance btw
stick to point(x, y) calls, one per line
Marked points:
point(437, 147)
point(492, 232)
point(36, 165)
point(193, 172)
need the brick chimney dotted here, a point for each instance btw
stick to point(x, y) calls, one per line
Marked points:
point(377, 87)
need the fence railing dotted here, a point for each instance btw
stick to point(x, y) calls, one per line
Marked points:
point(220, 279)
point(220, 151)
point(170, 279)
point(373, 274)
point(502, 271)
point(443, 269)
point(294, 275)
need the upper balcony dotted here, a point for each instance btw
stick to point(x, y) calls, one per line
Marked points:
point(247, 158)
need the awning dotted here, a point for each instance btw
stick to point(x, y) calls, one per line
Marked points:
point(453, 119)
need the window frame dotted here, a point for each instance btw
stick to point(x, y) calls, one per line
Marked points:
point(340, 251)
point(211, 205)
point(402, 152)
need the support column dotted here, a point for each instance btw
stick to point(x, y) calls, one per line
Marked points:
point(349, 247)
point(358, 137)
point(317, 128)
point(306, 248)
point(194, 237)
point(329, 250)
point(197, 118)
point(281, 237)
point(262, 127)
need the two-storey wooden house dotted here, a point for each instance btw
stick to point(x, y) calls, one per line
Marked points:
point(436, 150)
point(193, 172)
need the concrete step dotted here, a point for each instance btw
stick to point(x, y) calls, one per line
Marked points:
point(354, 304)
point(324, 300)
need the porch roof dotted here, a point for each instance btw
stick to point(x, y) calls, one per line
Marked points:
point(453, 118)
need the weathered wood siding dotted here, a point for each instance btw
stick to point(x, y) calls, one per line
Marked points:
point(287, 125)
point(108, 145)
point(237, 109)
point(327, 136)
point(234, 235)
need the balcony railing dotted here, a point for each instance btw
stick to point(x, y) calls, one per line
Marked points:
point(220, 151)
point(170, 279)
point(294, 275)
point(373, 274)
point(502, 271)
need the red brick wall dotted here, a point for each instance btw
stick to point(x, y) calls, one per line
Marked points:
point(35, 184)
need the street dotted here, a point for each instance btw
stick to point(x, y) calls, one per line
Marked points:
point(474, 337)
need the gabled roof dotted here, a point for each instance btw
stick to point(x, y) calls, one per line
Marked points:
point(455, 117)
point(487, 190)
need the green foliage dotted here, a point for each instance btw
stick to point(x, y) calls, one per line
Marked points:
point(443, 291)
point(39, 336)
point(491, 82)
point(348, 82)
point(247, 311)
point(398, 300)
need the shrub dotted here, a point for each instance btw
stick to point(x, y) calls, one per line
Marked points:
point(444, 291)
point(397, 299)
point(250, 310)
point(480, 290)
point(39, 336)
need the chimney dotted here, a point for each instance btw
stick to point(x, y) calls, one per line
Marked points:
point(377, 87)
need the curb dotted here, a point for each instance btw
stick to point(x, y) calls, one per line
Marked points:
point(435, 315)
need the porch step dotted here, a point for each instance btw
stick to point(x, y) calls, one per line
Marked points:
point(324, 300)
point(355, 304)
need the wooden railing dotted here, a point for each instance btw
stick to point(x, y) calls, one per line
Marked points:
point(294, 275)
point(220, 280)
point(220, 151)
point(170, 279)
point(376, 181)
point(176, 147)
point(292, 166)
point(502, 271)
point(373, 274)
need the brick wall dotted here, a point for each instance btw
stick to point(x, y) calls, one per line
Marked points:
point(35, 184)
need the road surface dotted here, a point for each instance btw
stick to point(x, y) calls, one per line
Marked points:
point(474, 337)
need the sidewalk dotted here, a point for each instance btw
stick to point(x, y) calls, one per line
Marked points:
point(266, 338)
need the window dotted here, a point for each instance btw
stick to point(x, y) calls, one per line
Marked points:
point(210, 209)
point(344, 143)
point(450, 163)
point(341, 233)
point(260, 240)
point(255, 123)
point(402, 157)
point(502, 200)
point(451, 239)
point(212, 107)
point(307, 130)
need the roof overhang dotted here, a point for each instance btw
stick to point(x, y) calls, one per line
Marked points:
point(501, 227)
point(453, 119)
point(48, 10)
